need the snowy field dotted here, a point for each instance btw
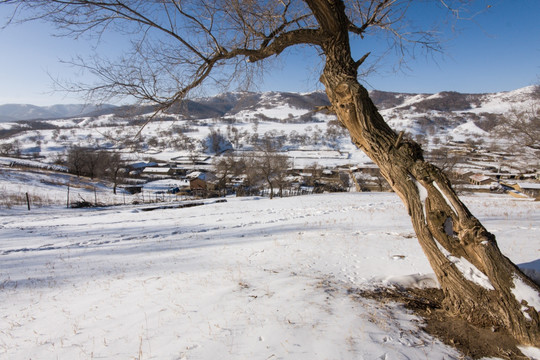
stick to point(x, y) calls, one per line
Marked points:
point(251, 278)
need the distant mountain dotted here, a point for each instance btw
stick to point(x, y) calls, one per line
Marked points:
point(233, 103)
point(226, 104)
point(17, 112)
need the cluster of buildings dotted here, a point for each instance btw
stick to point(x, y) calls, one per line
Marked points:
point(195, 174)
point(517, 185)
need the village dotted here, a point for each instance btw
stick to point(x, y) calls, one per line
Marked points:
point(267, 144)
point(307, 172)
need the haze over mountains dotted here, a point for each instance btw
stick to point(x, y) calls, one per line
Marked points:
point(16, 112)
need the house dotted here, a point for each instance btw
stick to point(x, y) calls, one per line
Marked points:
point(531, 190)
point(503, 175)
point(462, 173)
point(135, 169)
point(479, 179)
point(201, 182)
point(158, 172)
point(141, 165)
point(198, 185)
point(192, 159)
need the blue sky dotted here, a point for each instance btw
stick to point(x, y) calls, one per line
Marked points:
point(498, 50)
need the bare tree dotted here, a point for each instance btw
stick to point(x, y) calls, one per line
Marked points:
point(114, 168)
point(445, 159)
point(76, 160)
point(179, 44)
point(11, 148)
point(228, 166)
point(216, 142)
point(271, 165)
point(281, 164)
point(252, 176)
point(94, 162)
point(521, 127)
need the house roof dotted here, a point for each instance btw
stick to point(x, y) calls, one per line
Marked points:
point(463, 171)
point(141, 165)
point(157, 170)
point(190, 158)
point(200, 175)
point(195, 175)
point(480, 178)
point(529, 186)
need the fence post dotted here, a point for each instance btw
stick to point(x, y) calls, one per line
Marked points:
point(28, 201)
point(67, 204)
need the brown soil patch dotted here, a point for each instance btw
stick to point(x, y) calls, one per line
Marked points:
point(472, 341)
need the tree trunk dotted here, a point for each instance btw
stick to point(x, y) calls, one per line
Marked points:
point(271, 188)
point(479, 283)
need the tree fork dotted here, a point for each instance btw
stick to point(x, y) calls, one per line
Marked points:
point(446, 230)
point(448, 233)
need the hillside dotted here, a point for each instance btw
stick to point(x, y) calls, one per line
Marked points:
point(18, 112)
point(233, 103)
point(454, 129)
point(250, 278)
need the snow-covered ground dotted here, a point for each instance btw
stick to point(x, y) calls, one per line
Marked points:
point(250, 278)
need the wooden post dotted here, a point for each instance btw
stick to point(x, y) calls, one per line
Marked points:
point(28, 201)
point(355, 181)
point(67, 203)
point(95, 197)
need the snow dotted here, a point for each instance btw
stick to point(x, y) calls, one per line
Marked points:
point(534, 186)
point(448, 202)
point(461, 132)
point(423, 193)
point(8, 161)
point(281, 111)
point(468, 270)
point(506, 101)
point(11, 125)
point(111, 132)
point(248, 278)
point(523, 292)
point(531, 352)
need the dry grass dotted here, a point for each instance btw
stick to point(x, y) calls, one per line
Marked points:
point(11, 200)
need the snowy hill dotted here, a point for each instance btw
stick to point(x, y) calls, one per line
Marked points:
point(230, 104)
point(442, 114)
point(250, 278)
point(16, 112)
point(168, 276)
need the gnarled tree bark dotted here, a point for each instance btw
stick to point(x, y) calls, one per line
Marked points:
point(477, 280)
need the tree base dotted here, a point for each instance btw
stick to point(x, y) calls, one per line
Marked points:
point(472, 341)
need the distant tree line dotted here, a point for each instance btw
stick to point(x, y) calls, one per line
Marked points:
point(95, 163)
